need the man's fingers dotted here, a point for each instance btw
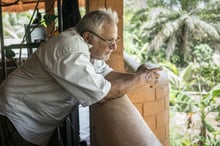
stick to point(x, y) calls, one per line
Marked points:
point(155, 69)
point(157, 76)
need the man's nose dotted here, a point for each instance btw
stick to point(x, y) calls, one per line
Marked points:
point(113, 46)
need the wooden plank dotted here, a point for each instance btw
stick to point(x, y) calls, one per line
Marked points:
point(49, 7)
point(94, 4)
point(20, 7)
point(116, 61)
point(116, 5)
point(25, 5)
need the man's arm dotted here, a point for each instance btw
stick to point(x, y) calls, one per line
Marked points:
point(121, 83)
point(117, 75)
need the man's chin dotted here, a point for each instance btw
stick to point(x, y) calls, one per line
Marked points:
point(105, 58)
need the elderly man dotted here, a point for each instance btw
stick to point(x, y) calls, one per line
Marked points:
point(67, 70)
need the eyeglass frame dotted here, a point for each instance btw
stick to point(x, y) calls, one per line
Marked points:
point(108, 42)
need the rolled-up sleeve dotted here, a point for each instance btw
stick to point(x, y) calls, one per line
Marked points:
point(101, 67)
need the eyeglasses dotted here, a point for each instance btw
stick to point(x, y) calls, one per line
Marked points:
point(110, 43)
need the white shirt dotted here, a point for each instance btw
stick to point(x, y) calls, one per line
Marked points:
point(45, 89)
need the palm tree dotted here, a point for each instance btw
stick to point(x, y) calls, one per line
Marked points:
point(180, 24)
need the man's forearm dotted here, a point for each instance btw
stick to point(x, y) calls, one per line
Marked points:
point(121, 83)
point(116, 75)
point(121, 86)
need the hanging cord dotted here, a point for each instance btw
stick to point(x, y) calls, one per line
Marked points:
point(26, 34)
point(5, 4)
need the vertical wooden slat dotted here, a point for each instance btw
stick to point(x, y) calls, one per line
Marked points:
point(94, 4)
point(117, 60)
point(49, 8)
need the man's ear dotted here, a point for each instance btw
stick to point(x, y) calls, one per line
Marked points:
point(87, 37)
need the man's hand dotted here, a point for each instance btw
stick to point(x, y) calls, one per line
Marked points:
point(122, 83)
point(148, 66)
point(151, 73)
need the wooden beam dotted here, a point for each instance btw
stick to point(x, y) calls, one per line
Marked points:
point(25, 5)
point(22, 6)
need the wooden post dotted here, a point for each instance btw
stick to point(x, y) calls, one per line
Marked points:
point(49, 8)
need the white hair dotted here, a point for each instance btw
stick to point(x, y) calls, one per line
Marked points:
point(94, 20)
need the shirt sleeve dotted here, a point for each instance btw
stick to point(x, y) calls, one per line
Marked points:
point(101, 67)
point(68, 62)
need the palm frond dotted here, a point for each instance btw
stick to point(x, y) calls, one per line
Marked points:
point(189, 23)
point(206, 28)
point(157, 12)
point(157, 16)
point(170, 47)
point(216, 45)
point(168, 30)
point(158, 40)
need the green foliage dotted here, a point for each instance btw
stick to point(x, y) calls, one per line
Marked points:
point(172, 27)
point(202, 53)
point(13, 24)
point(181, 36)
point(185, 102)
point(9, 53)
point(194, 90)
point(208, 75)
point(49, 18)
